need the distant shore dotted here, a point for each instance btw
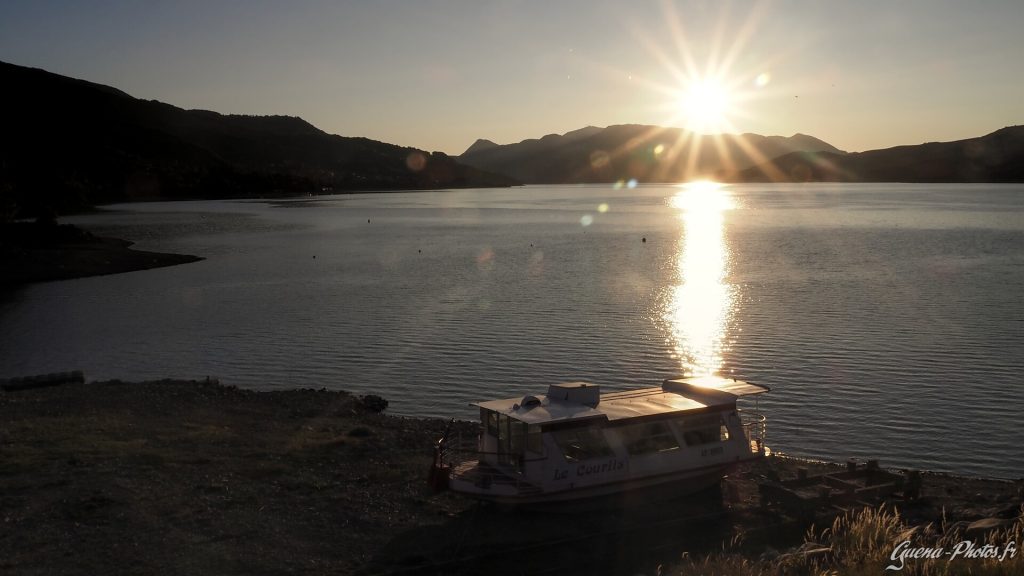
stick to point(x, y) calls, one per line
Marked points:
point(34, 252)
point(192, 477)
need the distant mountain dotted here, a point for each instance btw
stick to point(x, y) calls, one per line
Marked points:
point(996, 157)
point(644, 153)
point(68, 144)
point(480, 145)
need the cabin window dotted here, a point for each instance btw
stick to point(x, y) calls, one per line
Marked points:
point(512, 438)
point(649, 438)
point(502, 434)
point(704, 430)
point(583, 443)
point(490, 419)
point(534, 441)
point(517, 437)
point(505, 454)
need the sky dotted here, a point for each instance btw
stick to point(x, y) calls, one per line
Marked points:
point(437, 75)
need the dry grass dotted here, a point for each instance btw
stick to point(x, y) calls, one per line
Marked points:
point(863, 543)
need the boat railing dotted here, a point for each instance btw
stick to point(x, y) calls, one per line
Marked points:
point(445, 458)
point(452, 449)
point(756, 430)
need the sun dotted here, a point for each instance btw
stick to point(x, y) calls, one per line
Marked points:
point(705, 105)
point(703, 90)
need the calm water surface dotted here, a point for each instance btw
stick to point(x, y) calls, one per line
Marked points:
point(888, 319)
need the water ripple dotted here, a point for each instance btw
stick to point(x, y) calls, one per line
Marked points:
point(886, 333)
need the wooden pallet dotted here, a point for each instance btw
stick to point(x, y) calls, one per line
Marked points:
point(858, 486)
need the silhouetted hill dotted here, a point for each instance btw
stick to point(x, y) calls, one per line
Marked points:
point(479, 145)
point(646, 153)
point(69, 144)
point(996, 157)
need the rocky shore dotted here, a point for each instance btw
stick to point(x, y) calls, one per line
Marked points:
point(192, 477)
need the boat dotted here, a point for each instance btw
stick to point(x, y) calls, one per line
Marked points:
point(576, 443)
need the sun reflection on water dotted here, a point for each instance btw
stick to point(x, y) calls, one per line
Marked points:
point(700, 307)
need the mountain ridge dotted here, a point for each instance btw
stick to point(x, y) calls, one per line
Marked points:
point(994, 157)
point(632, 151)
point(70, 144)
point(657, 154)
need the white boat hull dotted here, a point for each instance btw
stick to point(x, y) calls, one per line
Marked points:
point(648, 488)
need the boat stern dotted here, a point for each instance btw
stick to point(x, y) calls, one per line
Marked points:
point(755, 432)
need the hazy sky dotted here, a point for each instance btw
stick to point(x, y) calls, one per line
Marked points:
point(439, 74)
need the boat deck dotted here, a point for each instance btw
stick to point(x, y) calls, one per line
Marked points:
point(484, 474)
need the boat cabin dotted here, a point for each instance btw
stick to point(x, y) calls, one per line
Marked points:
point(575, 441)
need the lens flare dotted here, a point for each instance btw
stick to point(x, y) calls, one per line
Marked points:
point(599, 159)
point(416, 161)
point(485, 260)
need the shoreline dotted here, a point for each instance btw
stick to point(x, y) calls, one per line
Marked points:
point(173, 476)
point(31, 253)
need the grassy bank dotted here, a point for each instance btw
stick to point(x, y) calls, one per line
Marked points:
point(179, 477)
point(876, 541)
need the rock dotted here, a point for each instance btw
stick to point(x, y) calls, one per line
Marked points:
point(374, 403)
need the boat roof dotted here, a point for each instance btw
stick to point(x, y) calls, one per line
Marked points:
point(577, 401)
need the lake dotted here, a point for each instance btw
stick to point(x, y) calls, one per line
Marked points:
point(887, 318)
